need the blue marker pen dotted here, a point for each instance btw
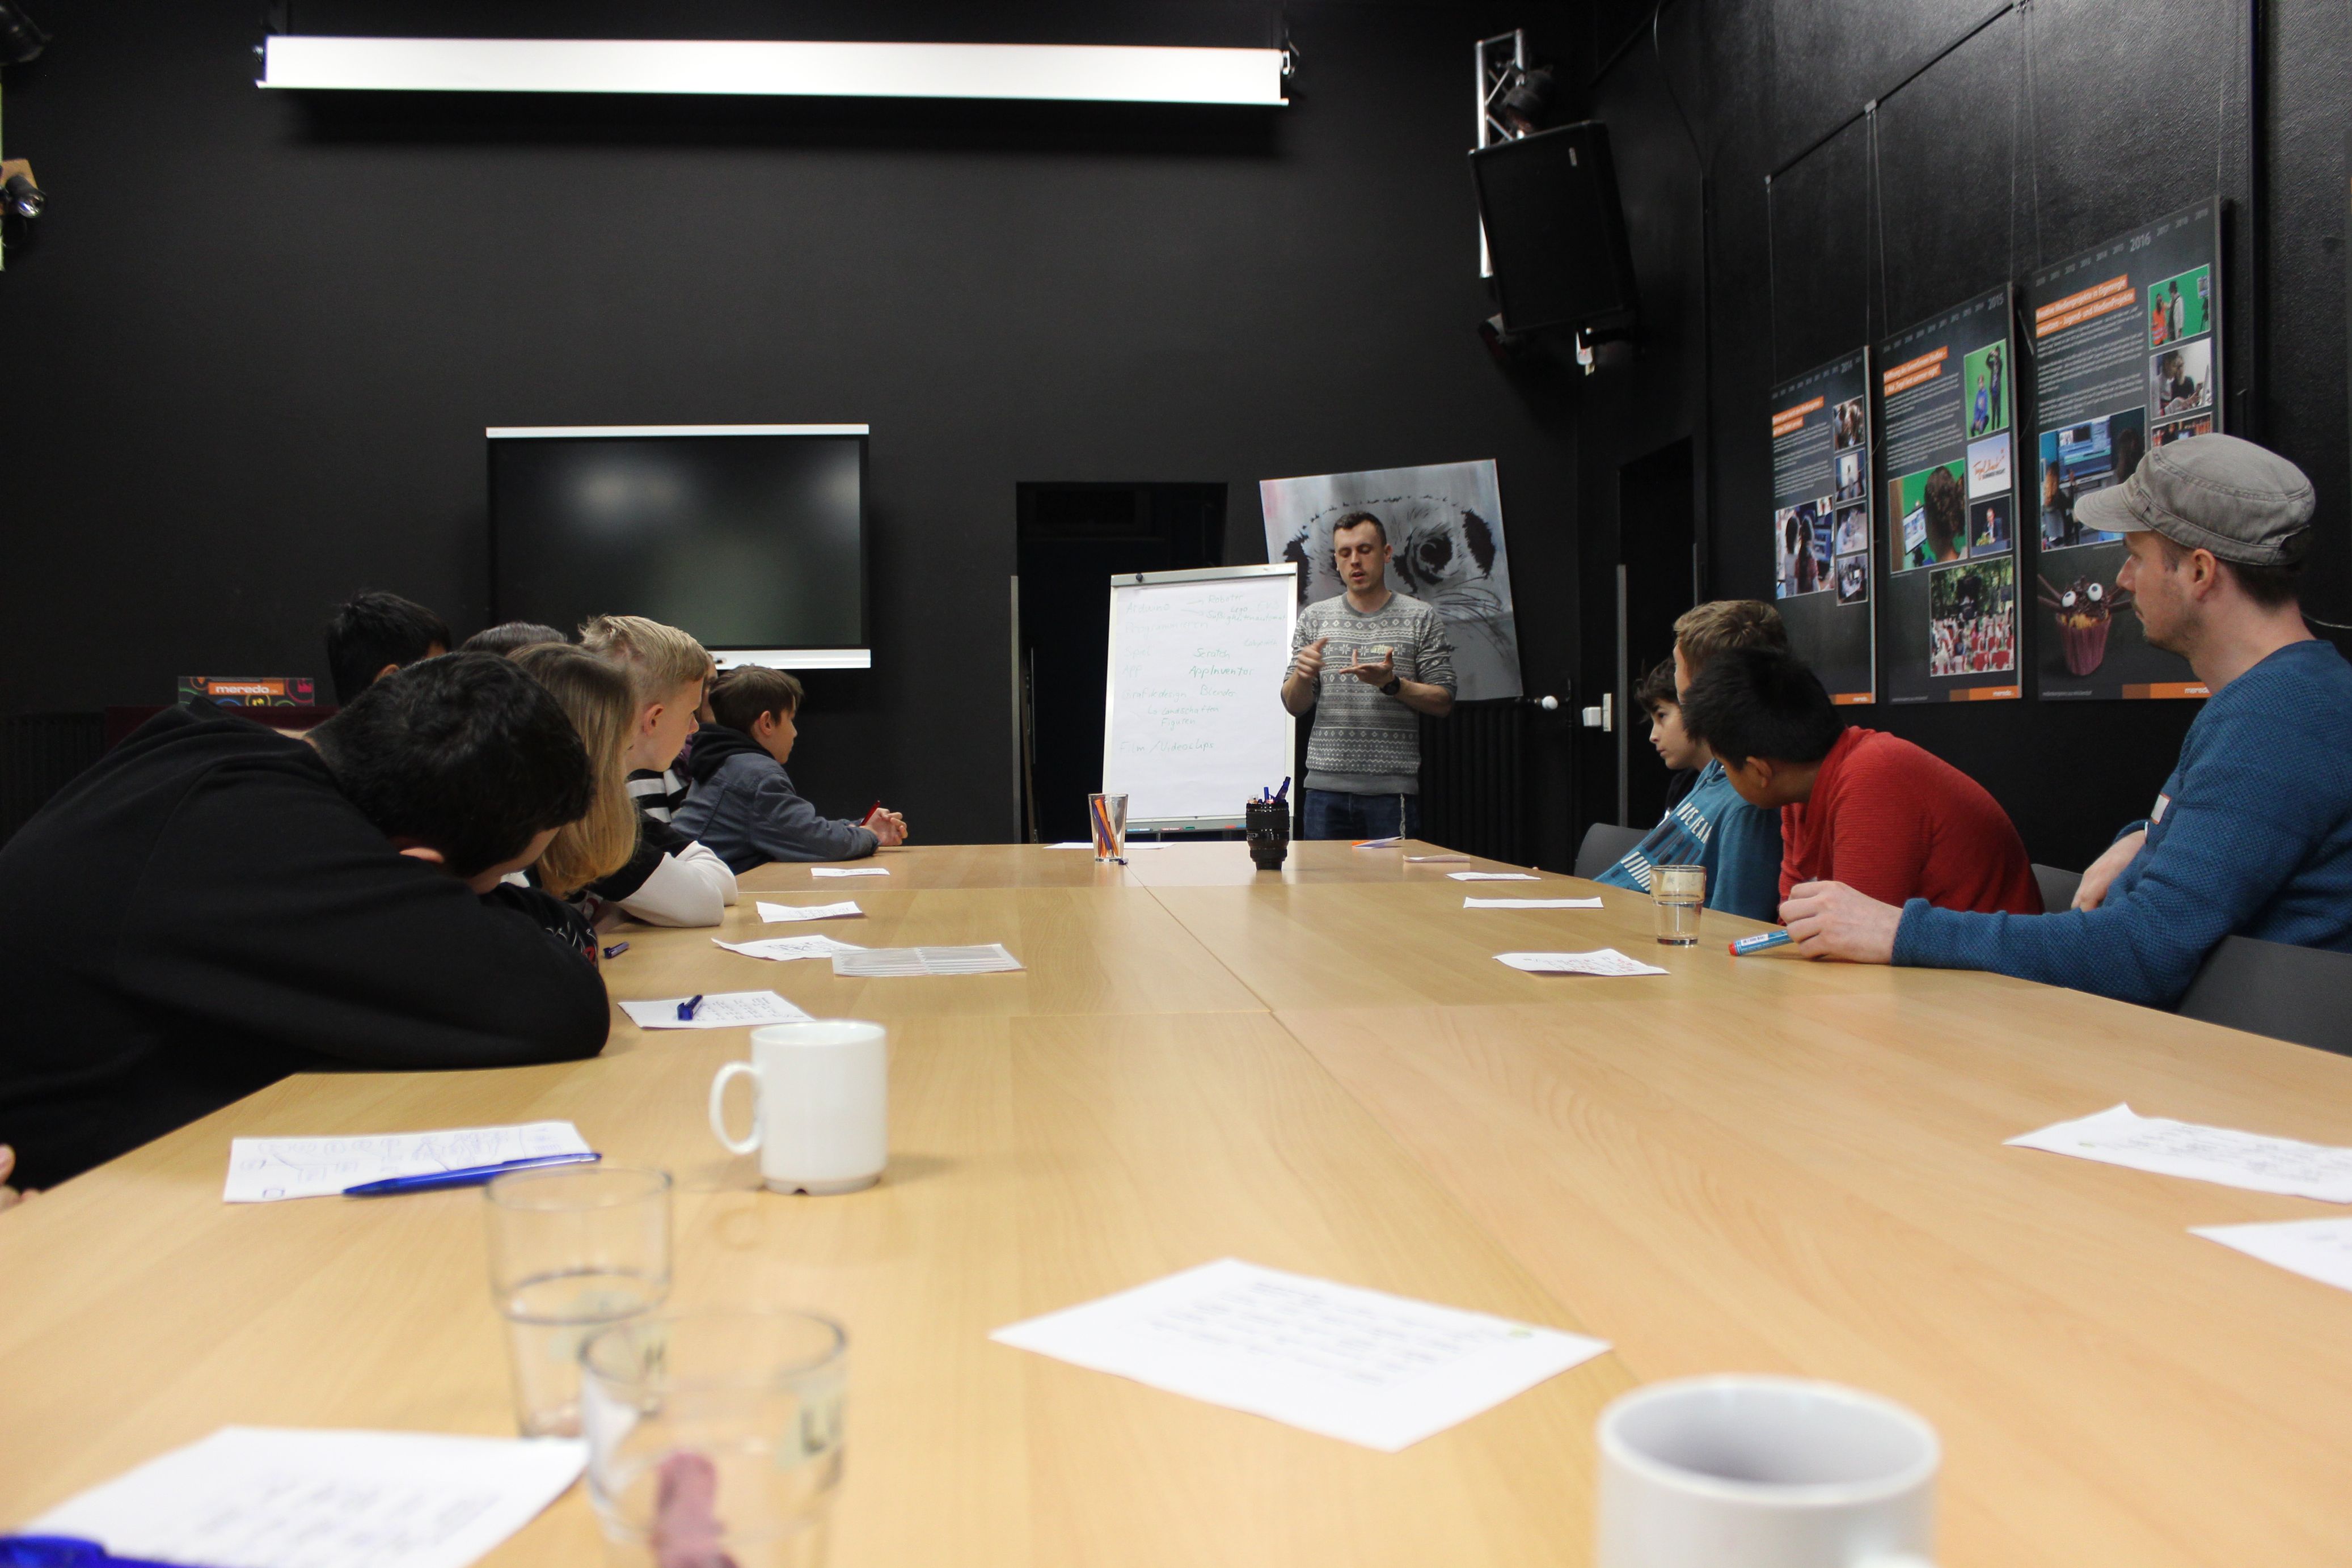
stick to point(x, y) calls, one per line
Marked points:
point(616, 949)
point(1762, 942)
point(688, 1008)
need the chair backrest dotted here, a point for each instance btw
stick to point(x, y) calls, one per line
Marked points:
point(2277, 989)
point(2057, 887)
point(1604, 845)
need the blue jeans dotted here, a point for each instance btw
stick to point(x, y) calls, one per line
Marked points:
point(1332, 815)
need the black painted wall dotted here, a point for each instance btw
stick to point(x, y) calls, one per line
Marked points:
point(251, 351)
point(2051, 130)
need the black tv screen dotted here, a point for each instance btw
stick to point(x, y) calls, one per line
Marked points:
point(750, 537)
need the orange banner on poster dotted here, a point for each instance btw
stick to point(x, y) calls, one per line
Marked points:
point(1852, 699)
point(2045, 323)
point(1911, 372)
point(1789, 421)
point(2161, 691)
point(1983, 694)
point(2121, 283)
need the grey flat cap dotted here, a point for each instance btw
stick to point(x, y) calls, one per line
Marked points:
point(2217, 493)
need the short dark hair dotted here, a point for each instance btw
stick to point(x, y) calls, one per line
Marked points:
point(742, 694)
point(466, 754)
point(1657, 689)
point(510, 637)
point(1359, 520)
point(2272, 587)
point(372, 630)
point(1760, 702)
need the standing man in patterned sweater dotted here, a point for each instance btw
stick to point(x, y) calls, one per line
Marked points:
point(1390, 663)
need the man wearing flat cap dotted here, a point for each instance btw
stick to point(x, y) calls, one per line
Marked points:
point(2251, 835)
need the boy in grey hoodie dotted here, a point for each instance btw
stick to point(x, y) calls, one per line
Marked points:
point(742, 805)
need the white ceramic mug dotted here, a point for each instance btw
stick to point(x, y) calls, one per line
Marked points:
point(1764, 1472)
point(820, 1107)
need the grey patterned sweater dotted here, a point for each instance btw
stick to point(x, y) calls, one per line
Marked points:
point(1364, 742)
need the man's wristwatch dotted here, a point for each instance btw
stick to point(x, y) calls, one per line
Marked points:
point(1396, 683)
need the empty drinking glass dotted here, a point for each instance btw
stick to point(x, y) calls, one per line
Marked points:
point(574, 1250)
point(715, 1437)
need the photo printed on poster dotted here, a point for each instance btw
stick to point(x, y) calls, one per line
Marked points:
point(1444, 523)
point(2127, 357)
point(1948, 629)
point(1822, 525)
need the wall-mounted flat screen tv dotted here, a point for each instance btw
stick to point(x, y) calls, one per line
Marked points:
point(752, 537)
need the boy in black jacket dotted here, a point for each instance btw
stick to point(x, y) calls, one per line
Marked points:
point(215, 905)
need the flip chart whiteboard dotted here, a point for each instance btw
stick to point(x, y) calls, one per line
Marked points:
point(1193, 725)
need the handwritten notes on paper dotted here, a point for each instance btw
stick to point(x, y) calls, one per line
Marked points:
point(1605, 961)
point(1493, 876)
point(266, 1170)
point(2118, 1137)
point(844, 910)
point(1531, 903)
point(786, 948)
point(894, 963)
point(2317, 1249)
point(849, 871)
point(261, 1497)
point(1361, 1365)
point(722, 1009)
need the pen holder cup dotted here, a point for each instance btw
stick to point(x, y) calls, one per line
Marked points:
point(1269, 834)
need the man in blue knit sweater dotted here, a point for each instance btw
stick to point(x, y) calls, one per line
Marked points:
point(2252, 834)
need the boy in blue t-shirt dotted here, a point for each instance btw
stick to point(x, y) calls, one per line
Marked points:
point(1739, 844)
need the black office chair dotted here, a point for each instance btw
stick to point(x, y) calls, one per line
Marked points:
point(2271, 987)
point(1604, 845)
point(2057, 887)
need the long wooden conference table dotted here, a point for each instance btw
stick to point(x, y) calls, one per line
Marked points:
point(1754, 1164)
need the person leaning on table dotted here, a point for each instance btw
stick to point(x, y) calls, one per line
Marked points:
point(2251, 835)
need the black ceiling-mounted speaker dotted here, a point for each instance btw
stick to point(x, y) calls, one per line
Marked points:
point(1555, 231)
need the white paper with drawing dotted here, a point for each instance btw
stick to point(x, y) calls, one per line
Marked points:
point(1193, 726)
point(1444, 523)
point(1361, 1365)
point(266, 1496)
point(265, 1170)
point(2116, 1137)
point(2317, 1249)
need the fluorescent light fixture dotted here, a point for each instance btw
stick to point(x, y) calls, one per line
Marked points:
point(1072, 72)
point(794, 658)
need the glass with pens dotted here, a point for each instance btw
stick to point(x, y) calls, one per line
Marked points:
point(1680, 894)
point(574, 1250)
point(1107, 816)
point(714, 1437)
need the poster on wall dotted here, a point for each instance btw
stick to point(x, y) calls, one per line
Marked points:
point(2127, 357)
point(1821, 522)
point(1444, 524)
point(1948, 592)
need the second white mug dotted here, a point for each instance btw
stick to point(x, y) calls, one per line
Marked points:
point(820, 1108)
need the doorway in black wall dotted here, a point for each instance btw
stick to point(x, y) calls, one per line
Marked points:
point(1658, 567)
point(1073, 539)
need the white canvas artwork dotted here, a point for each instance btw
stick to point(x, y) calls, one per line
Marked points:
point(1445, 524)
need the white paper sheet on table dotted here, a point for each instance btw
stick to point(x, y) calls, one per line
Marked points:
point(784, 948)
point(892, 963)
point(1493, 876)
point(844, 910)
point(849, 871)
point(265, 1170)
point(2116, 1137)
point(1601, 961)
point(2317, 1249)
point(1425, 858)
point(264, 1497)
point(1531, 903)
point(719, 1010)
point(1361, 1365)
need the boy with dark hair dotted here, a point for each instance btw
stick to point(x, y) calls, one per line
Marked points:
point(215, 905)
point(743, 803)
point(373, 634)
point(1711, 826)
point(511, 637)
point(1857, 806)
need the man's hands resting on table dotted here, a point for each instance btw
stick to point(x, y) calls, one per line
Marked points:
point(1830, 920)
point(9, 1196)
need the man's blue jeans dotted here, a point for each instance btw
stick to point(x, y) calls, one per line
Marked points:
point(1332, 815)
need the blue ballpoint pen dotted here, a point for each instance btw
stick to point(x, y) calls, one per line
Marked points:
point(66, 1552)
point(688, 1008)
point(472, 1176)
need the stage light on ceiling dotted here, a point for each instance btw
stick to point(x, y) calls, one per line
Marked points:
point(1526, 107)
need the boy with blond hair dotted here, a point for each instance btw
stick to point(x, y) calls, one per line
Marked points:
point(670, 880)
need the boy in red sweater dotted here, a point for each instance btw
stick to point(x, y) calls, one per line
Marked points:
point(1857, 806)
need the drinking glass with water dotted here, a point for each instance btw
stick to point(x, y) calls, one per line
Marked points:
point(714, 1437)
point(1680, 894)
point(573, 1251)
